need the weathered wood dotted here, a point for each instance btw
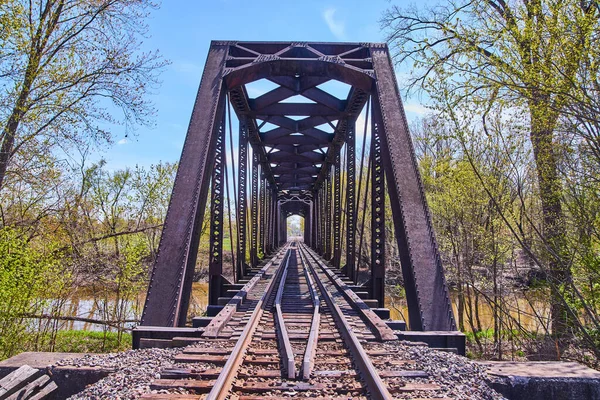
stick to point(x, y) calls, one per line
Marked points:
point(16, 380)
point(261, 387)
point(190, 384)
point(207, 358)
point(46, 390)
point(206, 350)
point(30, 388)
point(404, 374)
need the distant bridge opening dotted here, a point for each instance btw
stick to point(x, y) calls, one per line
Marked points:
point(295, 227)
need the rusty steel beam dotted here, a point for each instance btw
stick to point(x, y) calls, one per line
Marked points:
point(377, 211)
point(215, 263)
point(242, 210)
point(328, 211)
point(337, 213)
point(170, 284)
point(350, 199)
point(255, 210)
point(426, 290)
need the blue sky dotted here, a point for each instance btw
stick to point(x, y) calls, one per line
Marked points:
point(182, 31)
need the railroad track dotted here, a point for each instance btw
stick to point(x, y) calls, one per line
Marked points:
point(296, 331)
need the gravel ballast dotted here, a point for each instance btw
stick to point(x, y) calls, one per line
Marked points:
point(457, 376)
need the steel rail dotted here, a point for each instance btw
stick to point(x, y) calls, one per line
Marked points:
point(282, 333)
point(218, 323)
point(376, 387)
point(311, 346)
point(225, 380)
point(381, 331)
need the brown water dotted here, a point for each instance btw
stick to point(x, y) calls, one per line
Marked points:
point(531, 314)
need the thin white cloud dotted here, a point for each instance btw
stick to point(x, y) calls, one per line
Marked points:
point(336, 27)
point(416, 108)
point(123, 141)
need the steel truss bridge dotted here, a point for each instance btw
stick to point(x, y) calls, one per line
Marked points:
point(297, 154)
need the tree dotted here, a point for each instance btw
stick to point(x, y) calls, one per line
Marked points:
point(67, 68)
point(523, 53)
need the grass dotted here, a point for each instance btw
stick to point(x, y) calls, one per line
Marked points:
point(91, 342)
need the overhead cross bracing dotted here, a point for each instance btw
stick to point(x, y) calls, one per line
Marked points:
point(299, 154)
point(297, 151)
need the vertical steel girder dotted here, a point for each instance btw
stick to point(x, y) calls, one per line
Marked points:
point(327, 214)
point(242, 211)
point(308, 226)
point(377, 213)
point(337, 212)
point(319, 220)
point(170, 286)
point(281, 225)
point(263, 211)
point(275, 220)
point(269, 220)
point(215, 264)
point(254, 204)
point(313, 223)
point(350, 199)
point(426, 290)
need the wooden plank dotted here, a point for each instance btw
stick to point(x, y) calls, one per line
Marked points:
point(261, 360)
point(407, 373)
point(189, 384)
point(206, 350)
point(16, 380)
point(206, 358)
point(46, 390)
point(261, 387)
point(181, 373)
point(29, 389)
point(213, 373)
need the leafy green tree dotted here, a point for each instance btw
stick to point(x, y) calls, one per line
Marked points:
point(523, 53)
point(67, 67)
point(26, 278)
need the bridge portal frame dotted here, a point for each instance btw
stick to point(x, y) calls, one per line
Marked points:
point(367, 68)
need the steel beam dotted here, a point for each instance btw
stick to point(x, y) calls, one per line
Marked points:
point(170, 284)
point(328, 221)
point(263, 214)
point(351, 199)
point(242, 210)
point(255, 210)
point(337, 213)
point(426, 290)
point(215, 263)
point(377, 212)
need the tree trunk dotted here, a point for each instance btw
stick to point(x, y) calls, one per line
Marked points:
point(550, 186)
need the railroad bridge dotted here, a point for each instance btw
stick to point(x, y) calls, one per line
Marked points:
point(327, 140)
point(323, 137)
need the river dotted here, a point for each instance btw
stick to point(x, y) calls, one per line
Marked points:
point(531, 314)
